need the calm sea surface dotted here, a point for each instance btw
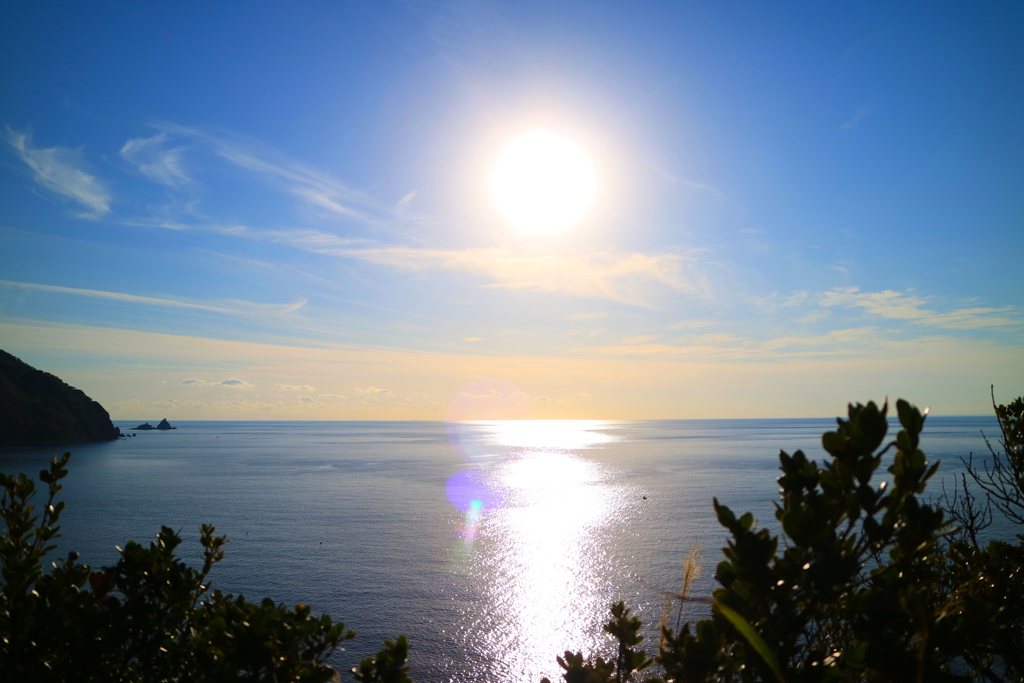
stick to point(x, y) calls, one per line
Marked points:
point(493, 546)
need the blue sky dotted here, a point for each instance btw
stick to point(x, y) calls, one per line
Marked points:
point(281, 210)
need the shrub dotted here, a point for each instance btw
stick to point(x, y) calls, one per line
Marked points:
point(150, 617)
point(872, 583)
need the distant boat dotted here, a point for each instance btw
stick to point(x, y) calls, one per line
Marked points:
point(164, 424)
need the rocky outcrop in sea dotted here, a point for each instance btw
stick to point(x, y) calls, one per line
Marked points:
point(145, 427)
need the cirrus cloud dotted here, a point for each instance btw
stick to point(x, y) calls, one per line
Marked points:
point(58, 169)
point(905, 306)
point(155, 161)
point(602, 274)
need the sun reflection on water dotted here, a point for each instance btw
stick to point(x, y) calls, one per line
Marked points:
point(540, 544)
point(548, 434)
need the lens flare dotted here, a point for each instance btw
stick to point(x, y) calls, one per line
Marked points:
point(472, 490)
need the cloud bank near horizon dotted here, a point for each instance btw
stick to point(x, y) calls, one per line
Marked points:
point(768, 381)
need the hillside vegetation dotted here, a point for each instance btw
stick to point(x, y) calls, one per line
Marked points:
point(38, 409)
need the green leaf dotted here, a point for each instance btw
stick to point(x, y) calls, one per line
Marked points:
point(752, 637)
point(833, 442)
point(747, 521)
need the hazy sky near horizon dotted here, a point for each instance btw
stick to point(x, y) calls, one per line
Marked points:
point(282, 210)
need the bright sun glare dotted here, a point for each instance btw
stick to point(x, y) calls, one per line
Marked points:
point(542, 182)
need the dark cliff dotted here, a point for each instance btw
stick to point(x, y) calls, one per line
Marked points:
point(38, 409)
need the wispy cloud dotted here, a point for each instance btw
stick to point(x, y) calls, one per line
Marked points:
point(691, 324)
point(236, 308)
point(902, 306)
point(155, 161)
point(402, 206)
point(319, 190)
point(691, 184)
point(330, 201)
point(638, 339)
point(625, 386)
point(490, 393)
point(372, 390)
point(858, 116)
point(295, 387)
point(59, 169)
point(233, 407)
point(193, 381)
point(626, 277)
point(725, 346)
point(813, 317)
point(314, 241)
point(618, 276)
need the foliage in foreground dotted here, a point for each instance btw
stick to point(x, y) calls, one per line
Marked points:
point(150, 617)
point(872, 584)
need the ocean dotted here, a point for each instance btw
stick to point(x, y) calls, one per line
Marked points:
point(494, 546)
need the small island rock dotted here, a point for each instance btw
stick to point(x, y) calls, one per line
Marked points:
point(164, 424)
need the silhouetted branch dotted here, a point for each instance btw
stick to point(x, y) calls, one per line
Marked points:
point(1002, 480)
point(966, 511)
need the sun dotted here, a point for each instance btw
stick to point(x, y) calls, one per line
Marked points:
point(543, 182)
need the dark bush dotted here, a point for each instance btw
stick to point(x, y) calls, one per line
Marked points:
point(872, 583)
point(150, 617)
